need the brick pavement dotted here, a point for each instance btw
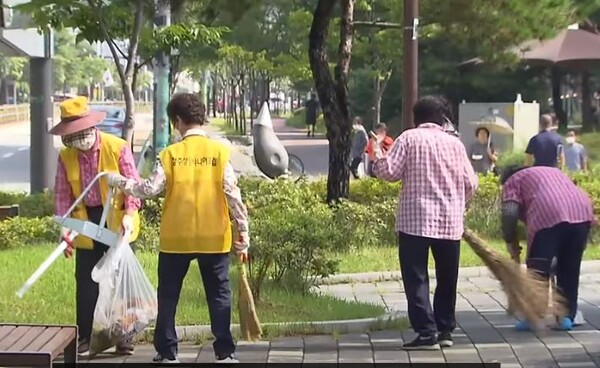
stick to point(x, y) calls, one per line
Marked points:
point(485, 334)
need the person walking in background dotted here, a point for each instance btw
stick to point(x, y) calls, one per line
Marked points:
point(575, 155)
point(545, 148)
point(437, 181)
point(385, 142)
point(201, 195)
point(558, 216)
point(311, 110)
point(88, 152)
point(482, 153)
point(359, 144)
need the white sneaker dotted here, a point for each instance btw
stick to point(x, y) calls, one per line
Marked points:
point(230, 359)
point(160, 359)
point(578, 321)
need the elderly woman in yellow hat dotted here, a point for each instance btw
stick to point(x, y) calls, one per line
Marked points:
point(87, 152)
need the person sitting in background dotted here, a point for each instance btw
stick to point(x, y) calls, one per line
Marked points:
point(482, 153)
point(386, 143)
point(575, 154)
point(359, 144)
point(545, 148)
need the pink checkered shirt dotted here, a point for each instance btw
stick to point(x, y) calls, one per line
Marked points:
point(88, 166)
point(547, 197)
point(437, 181)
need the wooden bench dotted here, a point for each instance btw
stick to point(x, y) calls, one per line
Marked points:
point(24, 345)
point(9, 211)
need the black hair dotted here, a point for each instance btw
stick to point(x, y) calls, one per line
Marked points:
point(431, 109)
point(510, 171)
point(188, 108)
point(480, 129)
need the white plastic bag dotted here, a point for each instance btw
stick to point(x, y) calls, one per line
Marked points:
point(127, 301)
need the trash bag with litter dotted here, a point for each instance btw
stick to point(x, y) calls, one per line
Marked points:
point(127, 301)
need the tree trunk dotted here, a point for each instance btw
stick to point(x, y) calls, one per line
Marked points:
point(379, 90)
point(333, 94)
point(215, 98)
point(125, 75)
point(556, 100)
point(587, 115)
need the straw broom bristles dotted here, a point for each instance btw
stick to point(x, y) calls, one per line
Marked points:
point(526, 291)
point(249, 324)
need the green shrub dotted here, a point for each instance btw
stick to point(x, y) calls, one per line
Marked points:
point(510, 158)
point(30, 205)
point(293, 233)
point(23, 231)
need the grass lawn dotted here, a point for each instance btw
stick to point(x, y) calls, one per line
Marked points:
point(385, 258)
point(52, 298)
point(221, 124)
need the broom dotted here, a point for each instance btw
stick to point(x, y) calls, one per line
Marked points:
point(526, 292)
point(249, 324)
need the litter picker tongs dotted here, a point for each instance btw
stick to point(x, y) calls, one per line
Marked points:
point(88, 229)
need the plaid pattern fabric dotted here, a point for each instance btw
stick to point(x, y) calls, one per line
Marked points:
point(437, 181)
point(88, 166)
point(547, 197)
point(80, 139)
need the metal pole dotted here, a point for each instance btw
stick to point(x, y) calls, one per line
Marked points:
point(161, 84)
point(41, 116)
point(411, 62)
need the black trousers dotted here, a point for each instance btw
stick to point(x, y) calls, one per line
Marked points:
point(566, 242)
point(214, 269)
point(86, 288)
point(414, 256)
point(354, 166)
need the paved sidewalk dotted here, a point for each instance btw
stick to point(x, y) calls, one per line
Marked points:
point(485, 334)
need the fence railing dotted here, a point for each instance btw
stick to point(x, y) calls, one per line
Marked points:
point(20, 112)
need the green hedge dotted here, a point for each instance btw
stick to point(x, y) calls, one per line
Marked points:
point(293, 233)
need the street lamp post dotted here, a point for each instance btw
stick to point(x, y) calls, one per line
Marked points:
point(41, 113)
point(161, 84)
point(410, 84)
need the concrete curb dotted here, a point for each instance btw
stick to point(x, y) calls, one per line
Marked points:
point(193, 333)
point(587, 267)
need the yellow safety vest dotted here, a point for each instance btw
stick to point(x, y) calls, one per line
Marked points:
point(110, 151)
point(195, 217)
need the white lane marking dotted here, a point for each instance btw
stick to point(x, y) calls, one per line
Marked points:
point(7, 155)
point(23, 149)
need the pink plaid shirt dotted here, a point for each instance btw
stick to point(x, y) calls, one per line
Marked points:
point(88, 166)
point(437, 181)
point(547, 197)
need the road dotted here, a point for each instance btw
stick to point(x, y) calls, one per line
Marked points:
point(314, 152)
point(15, 149)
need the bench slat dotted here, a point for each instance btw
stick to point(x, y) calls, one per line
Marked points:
point(29, 336)
point(13, 337)
point(5, 330)
point(60, 341)
point(42, 339)
point(17, 358)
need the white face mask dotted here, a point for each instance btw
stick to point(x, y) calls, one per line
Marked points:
point(570, 140)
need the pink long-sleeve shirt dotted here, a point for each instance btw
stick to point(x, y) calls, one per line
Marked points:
point(88, 166)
